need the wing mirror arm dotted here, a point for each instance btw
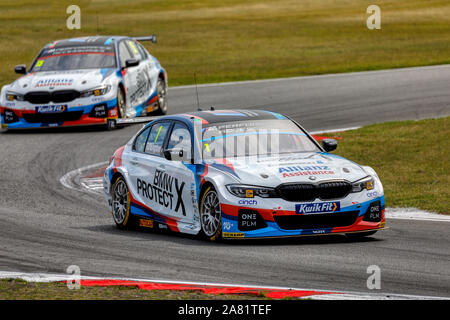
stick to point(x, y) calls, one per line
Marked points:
point(176, 154)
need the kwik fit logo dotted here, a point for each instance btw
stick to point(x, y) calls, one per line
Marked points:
point(323, 207)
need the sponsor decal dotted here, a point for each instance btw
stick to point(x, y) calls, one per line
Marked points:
point(51, 109)
point(249, 193)
point(372, 194)
point(248, 202)
point(227, 225)
point(294, 171)
point(233, 235)
point(373, 213)
point(382, 224)
point(166, 190)
point(98, 99)
point(162, 226)
point(53, 82)
point(146, 223)
point(250, 220)
point(321, 207)
point(113, 113)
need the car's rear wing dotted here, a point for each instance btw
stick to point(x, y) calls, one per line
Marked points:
point(146, 38)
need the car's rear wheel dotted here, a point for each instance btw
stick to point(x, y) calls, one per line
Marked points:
point(121, 203)
point(161, 89)
point(359, 235)
point(210, 214)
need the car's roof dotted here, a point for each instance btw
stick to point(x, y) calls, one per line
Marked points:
point(228, 115)
point(83, 41)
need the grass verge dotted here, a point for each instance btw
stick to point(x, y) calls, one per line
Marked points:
point(17, 289)
point(241, 40)
point(412, 159)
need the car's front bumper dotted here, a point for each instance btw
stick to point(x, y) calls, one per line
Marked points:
point(73, 114)
point(273, 223)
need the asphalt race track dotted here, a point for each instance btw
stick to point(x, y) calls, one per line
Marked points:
point(46, 227)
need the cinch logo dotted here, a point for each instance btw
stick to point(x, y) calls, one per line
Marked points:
point(248, 202)
point(323, 207)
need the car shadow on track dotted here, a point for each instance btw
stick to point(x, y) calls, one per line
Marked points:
point(186, 239)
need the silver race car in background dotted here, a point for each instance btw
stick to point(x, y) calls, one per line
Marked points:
point(85, 81)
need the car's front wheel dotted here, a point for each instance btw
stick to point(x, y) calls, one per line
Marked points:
point(121, 203)
point(210, 214)
point(121, 104)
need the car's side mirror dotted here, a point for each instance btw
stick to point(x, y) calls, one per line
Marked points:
point(176, 154)
point(20, 69)
point(131, 63)
point(329, 144)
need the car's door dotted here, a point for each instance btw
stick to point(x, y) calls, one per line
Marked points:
point(142, 80)
point(153, 68)
point(129, 78)
point(180, 168)
point(145, 165)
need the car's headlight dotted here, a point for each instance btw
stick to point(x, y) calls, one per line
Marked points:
point(367, 183)
point(11, 96)
point(244, 191)
point(99, 91)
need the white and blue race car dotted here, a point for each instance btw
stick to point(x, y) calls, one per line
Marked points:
point(85, 81)
point(240, 174)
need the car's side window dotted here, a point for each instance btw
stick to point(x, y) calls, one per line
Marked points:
point(139, 143)
point(156, 138)
point(180, 138)
point(124, 54)
point(142, 51)
point(134, 49)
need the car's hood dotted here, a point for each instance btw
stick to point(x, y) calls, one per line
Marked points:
point(60, 80)
point(299, 167)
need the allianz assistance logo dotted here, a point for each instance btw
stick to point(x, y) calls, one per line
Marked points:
point(323, 207)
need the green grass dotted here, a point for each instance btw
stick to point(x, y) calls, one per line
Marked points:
point(412, 159)
point(17, 289)
point(241, 40)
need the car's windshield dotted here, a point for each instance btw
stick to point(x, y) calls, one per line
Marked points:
point(254, 138)
point(76, 57)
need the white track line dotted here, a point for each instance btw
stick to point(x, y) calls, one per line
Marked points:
point(67, 179)
point(333, 295)
point(331, 75)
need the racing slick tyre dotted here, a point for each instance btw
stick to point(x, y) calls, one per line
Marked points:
point(359, 235)
point(210, 215)
point(121, 203)
point(121, 103)
point(162, 97)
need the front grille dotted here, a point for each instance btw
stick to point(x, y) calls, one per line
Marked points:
point(316, 221)
point(52, 117)
point(308, 192)
point(42, 97)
